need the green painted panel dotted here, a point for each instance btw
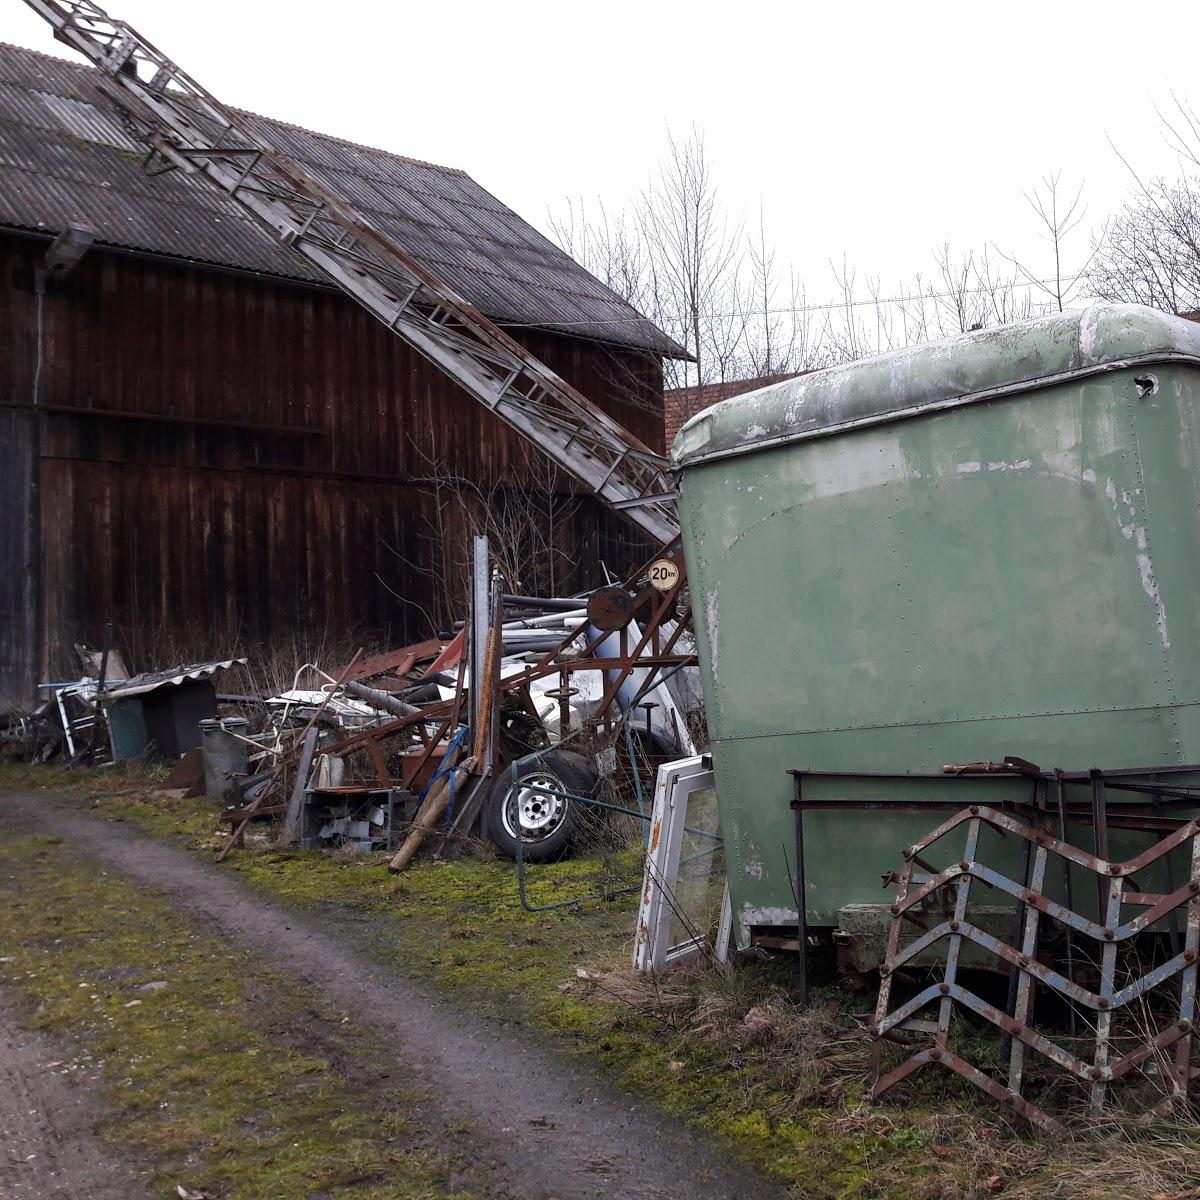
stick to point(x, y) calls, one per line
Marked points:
point(847, 853)
point(1012, 576)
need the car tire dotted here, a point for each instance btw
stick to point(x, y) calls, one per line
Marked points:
point(548, 823)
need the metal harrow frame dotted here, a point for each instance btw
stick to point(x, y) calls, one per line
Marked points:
point(1165, 1048)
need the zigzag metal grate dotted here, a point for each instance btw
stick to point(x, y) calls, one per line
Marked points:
point(1139, 1023)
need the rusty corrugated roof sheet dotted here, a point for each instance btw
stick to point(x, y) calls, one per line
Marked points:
point(65, 157)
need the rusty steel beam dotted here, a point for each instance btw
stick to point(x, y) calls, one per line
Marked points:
point(1124, 989)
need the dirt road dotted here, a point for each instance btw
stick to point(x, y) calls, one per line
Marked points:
point(48, 1107)
point(545, 1127)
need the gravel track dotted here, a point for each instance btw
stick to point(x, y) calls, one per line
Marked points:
point(545, 1127)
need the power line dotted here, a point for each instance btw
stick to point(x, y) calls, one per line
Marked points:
point(793, 310)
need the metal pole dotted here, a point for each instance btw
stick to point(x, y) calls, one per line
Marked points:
point(1068, 894)
point(801, 914)
point(481, 584)
point(1099, 837)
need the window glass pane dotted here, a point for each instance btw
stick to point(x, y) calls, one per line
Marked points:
point(695, 904)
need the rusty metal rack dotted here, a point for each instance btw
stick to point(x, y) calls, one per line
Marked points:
point(655, 649)
point(1120, 962)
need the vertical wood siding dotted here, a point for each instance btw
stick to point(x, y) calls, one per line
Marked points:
point(274, 468)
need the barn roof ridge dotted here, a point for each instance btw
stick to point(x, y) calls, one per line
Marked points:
point(72, 64)
point(67, 158)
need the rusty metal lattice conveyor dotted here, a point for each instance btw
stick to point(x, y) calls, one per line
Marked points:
point(1157, 1004)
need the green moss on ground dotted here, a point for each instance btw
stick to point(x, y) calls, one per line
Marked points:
point(224, 1077)
point(790, 1100)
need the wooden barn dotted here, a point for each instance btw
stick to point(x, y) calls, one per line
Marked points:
point(208, 447)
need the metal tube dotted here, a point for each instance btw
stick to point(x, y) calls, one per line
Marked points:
point(801, 906)
point(1099, 836)
point(384, 701)
point(480, 620)
point(1018, 925)
point(1176, 940)
point(549, 604)
point(1068, 895)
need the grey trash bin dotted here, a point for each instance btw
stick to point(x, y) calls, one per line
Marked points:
point(223, 755)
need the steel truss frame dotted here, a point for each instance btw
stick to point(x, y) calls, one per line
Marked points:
point(653, 649)
point(184, 127)
point(1139, 1022)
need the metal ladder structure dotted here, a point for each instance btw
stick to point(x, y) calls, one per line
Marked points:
point(185, 127)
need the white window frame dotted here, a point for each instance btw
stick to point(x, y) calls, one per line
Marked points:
point(652, 948)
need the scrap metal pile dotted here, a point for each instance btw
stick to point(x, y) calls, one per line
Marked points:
point(521, 680)
point(395, 748)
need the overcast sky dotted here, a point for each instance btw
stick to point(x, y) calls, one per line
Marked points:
point(874, 130)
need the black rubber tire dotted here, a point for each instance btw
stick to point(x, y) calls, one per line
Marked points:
point(574, 774)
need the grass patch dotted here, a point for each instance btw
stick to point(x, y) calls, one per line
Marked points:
point(728, 1053)
point(223, 1076)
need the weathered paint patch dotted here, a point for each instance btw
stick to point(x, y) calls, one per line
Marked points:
point(860, 464)
point(1137, 534)
point(712, 624)
point(968, 468)
point(766, 915)
point(1089, 324)
point(1150, 587)
point(792, 413)
point(1023, 465)
point(754, 867)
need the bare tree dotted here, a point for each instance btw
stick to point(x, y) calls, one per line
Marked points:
point(970, 292)
point(693, 251)
point(530, 527)
point(611, 248)
point(857, 328)
point(781, 335)
point(965, 291)
point(1059, 214)
point(1150, 252)
point(676, 256)
point(686, 263)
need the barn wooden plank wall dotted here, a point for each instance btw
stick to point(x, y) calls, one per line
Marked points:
point(259, 460)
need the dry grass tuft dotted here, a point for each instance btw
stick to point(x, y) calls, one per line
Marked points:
point(815, 1053)
point(1155, 1162)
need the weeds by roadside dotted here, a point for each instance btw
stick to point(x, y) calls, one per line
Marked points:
point(222, 1080)
point(727, 1052)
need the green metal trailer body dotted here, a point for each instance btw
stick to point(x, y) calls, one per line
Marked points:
point(984, 546)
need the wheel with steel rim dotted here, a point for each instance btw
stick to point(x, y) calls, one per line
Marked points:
point(537, 807)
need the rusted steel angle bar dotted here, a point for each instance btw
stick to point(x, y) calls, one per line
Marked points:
point(1008, 824)
point(946, 1058)
point(1043, 974)
point(1051, 908)
point(1164, 1045)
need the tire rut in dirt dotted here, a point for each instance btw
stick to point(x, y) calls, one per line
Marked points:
point(546, 1127)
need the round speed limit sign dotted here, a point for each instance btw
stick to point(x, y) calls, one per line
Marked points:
point(664, 574)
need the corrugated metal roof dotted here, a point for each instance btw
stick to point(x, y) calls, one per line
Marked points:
point(151, 681)
point(65, 157)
